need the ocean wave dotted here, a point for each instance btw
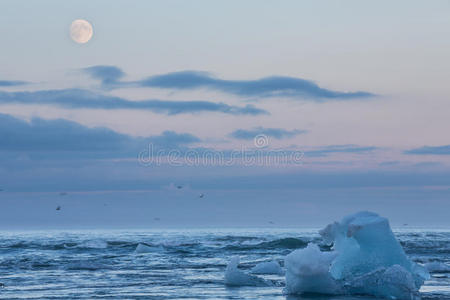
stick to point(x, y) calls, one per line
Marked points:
point(86, 266)
point(103, 264)
point(60, 245)
point(437, 267)
point(283, 243)
point(169, 244)
point(426, 246)
point(28, 263)
point(231, 238)
point(93, 244)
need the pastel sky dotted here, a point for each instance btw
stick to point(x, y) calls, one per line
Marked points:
point(231, 113)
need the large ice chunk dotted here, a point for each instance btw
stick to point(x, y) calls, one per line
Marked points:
point(366, 259)
point(394, 282)
point(307, 270)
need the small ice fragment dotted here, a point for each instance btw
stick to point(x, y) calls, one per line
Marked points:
point(236, 277)
point(270, 267)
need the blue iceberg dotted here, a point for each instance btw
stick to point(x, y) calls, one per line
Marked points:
point(366, 258)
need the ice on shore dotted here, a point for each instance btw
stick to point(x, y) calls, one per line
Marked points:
point(366, 259)
point(270, 267)
point(236, 277)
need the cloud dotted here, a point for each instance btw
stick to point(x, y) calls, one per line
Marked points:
point(282, 86)
point(56, 135)
point(264, 87)
point(277, 133)
point(324, 151)
point(430, 150)
point(60, 135)
point(107, 74)
point(171, 139)
point(79, 98)
point(7, 83)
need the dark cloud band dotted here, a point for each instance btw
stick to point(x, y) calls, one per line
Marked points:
point(8, 83)
point(429, 150)
point(61, 135)
point(282, 86)
point(78, 98)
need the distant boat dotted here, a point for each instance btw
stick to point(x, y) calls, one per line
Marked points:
point(201, 195)
point(58, 207)
point(179, 187)
point(156, 219)
point(63, 194)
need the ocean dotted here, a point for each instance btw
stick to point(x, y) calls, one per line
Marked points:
point(179, 264)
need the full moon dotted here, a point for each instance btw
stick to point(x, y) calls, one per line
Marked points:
point(81, 31)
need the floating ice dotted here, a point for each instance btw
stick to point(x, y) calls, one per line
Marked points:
point(366, 259)
point(236, 277)
point(270, 267)
point(142, 248)
point(307, 270)
point(394, 282)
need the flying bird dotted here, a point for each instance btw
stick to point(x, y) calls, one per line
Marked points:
point(201, 195)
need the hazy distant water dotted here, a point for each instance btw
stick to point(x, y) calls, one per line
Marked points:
point(182, 264)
